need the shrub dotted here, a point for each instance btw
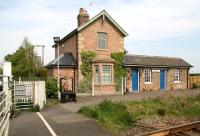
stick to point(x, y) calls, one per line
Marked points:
point(160, 112)
point(85, 85)
point(36, 108)
point(111, 115)
point(51, 89)
point(194, 86)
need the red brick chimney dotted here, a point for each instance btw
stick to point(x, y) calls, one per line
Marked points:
point(83, 16)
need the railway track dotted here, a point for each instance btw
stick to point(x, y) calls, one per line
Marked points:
point(190, 129)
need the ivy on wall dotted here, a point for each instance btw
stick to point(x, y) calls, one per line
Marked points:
point(119, 70)
point(86, 68)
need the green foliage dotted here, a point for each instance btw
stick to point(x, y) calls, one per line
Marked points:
point(36, 108)
point(23, 62)
point(112, 115)
point(118, 116)
point(194, 86)
point(1, 71)
point(85, 85)
point(86, 67)
point(120, 71)
point(51, 89)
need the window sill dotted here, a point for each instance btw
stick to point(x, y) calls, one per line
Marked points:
point(102, 49)
point(177, 82)
point(148, 83)
point(104, 84)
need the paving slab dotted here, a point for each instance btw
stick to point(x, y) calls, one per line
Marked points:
point(67, 123)
point(28, 124)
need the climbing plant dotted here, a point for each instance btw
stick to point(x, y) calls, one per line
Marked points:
point(118, 68)
point(86, 69)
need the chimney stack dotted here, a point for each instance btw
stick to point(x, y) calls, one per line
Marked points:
point(83, 16)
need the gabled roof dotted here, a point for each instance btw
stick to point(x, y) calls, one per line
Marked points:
point(104, 14)
point(84, 25)
point(154, 61)
point(65, 60)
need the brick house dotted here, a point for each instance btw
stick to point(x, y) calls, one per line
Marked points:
point(146, 73)
point(100, 34)
point(103, 35)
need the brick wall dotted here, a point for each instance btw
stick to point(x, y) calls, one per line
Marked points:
point(68, 46)
point(155, 84)
point(64, 72)
point(87, 39)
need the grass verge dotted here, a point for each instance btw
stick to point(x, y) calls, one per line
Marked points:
point(120, 116)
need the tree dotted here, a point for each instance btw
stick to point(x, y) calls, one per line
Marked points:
point(1, 71)
point(23, 63)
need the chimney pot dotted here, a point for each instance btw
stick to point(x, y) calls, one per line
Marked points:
point(83, 16)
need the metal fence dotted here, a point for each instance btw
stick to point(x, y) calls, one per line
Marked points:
point(5, 104)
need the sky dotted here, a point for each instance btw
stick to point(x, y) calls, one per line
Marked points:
point(155, 27)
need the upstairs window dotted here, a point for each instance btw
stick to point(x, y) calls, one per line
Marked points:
point(177, 75)
point(102, 41)
point(147, 75)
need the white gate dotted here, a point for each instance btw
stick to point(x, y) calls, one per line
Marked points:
point(23, 95)
point(27, 94)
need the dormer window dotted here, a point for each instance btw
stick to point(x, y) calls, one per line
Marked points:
point(102, 40)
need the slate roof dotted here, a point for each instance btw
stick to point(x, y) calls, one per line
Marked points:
point(65, 60)
point(84, 25)
point(154, 61)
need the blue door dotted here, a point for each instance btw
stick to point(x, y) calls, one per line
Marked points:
point(162, 79)
point(135, 80)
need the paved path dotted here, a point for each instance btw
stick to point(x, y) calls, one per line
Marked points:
point(62, 122)
point(28, 124)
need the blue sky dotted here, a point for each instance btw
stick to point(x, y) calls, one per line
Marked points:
point(155, 27)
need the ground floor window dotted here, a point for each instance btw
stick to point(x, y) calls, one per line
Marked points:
point(97, 74)
point(147, 75)
point(106, 74)
point(176, 75)
point(103, 74)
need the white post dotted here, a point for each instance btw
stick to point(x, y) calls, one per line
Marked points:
point(122, 87)
point(58, 72)
point(92, 87)
point(125, 83)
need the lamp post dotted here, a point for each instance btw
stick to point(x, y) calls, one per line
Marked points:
point(56, 41)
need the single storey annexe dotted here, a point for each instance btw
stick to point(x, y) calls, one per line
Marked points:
point(147, 73)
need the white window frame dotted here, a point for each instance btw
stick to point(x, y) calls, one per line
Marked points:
point(100, 47)
point(110, 74)
point(149, 72)
point(177, 76)
point(97, 74)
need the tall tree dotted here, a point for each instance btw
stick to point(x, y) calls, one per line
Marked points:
point(23, 60)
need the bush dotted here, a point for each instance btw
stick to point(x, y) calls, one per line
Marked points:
point(36, 108)
point(114, 116)
point(161, 112)
point(194, 86)
point(51, 89)
point(85, 85)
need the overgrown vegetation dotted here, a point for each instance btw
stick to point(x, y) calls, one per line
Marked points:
point(86, 68)
point(51, 89)
point(113, 116)
point(120, 71)
point(118, 116)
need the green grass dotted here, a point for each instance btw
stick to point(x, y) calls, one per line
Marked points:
point(51, 103)
point(119, 116)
